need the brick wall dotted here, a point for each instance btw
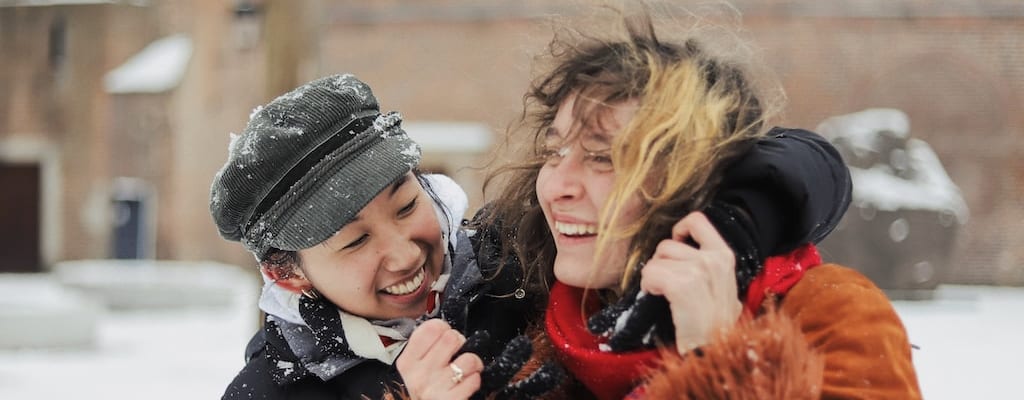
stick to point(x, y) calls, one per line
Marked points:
point(955, 67)
point(958, 79)
point(51, 93)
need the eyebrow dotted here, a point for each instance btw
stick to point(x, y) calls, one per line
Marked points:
point(600, 137)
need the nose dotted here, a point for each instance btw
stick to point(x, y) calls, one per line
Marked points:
point(562, 181)
point(401, 253)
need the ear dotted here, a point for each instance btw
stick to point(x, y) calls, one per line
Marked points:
point(292, 281)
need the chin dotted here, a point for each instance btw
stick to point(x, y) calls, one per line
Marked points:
point(566, 277)
point(582, 278)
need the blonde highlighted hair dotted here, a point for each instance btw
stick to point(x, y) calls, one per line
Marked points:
point(695, 116)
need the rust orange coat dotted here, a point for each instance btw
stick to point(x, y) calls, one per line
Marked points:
point(851, 322)
point(854, 341)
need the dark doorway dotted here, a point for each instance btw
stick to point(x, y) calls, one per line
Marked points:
point(20, 202)
point(129, 229)
point(132, 235)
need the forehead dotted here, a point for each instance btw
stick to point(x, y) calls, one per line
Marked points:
point(590, 120)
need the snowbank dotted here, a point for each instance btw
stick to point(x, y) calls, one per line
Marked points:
point(149, 284)
point(36, 311)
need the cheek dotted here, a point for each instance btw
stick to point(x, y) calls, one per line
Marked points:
point(600, 187)
point(425, 226)
point(542, 183)
point(634, 207)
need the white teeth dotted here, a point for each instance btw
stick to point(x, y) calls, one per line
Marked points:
point(575, 229)
point(406, 287)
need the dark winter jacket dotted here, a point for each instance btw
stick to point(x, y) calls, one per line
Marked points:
point(273, 371)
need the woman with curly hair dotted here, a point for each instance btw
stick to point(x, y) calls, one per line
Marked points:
point(634, 215)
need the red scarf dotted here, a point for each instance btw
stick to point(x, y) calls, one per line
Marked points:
point(612, 375)
point(779, 275)
point(608, 375)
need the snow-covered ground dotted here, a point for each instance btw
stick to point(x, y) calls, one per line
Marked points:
point(143, 350)
point(968, 338)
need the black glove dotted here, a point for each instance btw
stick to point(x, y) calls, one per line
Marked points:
point(639, 319)
point(496, 376)
point(740, 234)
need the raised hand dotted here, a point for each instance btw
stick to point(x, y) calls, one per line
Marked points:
point(699, 282)
point(430, 367)
point(439, 363)
point(643, 317)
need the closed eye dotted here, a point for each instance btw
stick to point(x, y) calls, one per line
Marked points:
point(408, 209)
point(356, 243)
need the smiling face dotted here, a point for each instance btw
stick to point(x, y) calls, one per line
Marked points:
point(573, 186)
point(382, 264)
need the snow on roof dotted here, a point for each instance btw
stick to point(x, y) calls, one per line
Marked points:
point(450, 137)
point(157, 68)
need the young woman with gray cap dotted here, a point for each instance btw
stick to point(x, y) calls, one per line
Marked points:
point(355, 246)
point(357, 249)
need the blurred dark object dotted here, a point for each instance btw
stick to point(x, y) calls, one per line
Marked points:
point(906, 212)
point(247, 23)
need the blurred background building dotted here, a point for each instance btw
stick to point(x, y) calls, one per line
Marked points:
point(115, 115)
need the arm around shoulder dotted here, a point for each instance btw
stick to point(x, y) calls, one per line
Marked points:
point(795, 186)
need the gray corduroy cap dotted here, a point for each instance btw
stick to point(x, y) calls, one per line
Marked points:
point(306, 164)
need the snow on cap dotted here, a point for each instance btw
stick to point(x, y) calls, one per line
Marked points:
point(306, 164)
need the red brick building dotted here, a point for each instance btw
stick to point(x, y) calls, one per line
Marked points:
point(955, 67)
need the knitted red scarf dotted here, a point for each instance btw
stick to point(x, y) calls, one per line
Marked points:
point(612, 375)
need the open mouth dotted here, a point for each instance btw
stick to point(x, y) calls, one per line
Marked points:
point(407, 287)
point(575, 230)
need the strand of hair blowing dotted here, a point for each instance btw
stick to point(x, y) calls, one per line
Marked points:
point(693, 118)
